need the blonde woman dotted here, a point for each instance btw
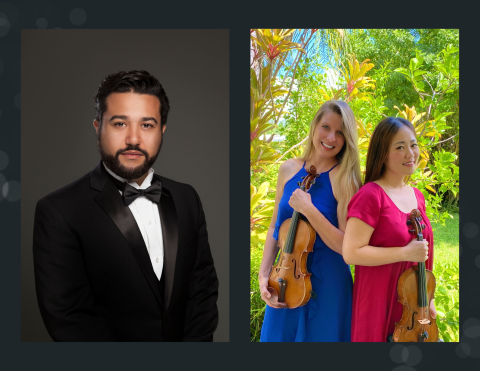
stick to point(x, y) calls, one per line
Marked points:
point(332, 148)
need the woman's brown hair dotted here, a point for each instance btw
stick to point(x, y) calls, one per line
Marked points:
point(380, 144)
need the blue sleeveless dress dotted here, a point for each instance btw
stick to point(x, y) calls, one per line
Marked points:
point(327, 315)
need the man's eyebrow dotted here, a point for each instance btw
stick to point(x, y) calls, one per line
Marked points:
point(123, 117)
point(118, 117)
point(149, 119)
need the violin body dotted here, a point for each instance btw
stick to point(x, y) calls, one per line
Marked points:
point(289, 277)
point(409, 328)
point(415, 288)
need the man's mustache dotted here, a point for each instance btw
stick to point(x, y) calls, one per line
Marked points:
point(132, 148)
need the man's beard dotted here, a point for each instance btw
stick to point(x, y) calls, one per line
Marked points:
point(114, 164)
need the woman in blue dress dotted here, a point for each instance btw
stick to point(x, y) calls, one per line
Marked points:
point(332, 148)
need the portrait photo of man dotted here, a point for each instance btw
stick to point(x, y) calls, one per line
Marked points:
point(121, 252)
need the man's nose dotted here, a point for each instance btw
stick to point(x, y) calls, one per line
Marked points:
point(133, 135)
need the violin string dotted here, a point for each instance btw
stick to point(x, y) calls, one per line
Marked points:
point(423, 283)
point(293, 227)
point(421, 273)
point(291, 234)
point(420, 277)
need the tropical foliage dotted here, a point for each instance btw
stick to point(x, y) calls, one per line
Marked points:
point(405, 73)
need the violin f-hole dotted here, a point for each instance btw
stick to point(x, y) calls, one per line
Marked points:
point(413, 321)
point(294, 261)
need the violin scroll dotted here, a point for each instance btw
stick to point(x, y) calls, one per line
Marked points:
point(414, 221)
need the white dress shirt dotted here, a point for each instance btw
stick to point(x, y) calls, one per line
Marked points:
point(147, 217)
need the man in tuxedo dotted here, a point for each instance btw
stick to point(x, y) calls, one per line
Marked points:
point(122, 254)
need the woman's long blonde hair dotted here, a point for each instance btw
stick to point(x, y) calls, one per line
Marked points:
point(348, 179)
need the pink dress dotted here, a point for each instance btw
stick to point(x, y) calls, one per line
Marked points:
point(375, 301)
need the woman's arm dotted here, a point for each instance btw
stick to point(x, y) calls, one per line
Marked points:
point(270, 249)
point(357, 251)
point(332, 236)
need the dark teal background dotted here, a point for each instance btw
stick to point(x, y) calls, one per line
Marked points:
point(239, 18)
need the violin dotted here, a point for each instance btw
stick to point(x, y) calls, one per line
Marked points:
point(416, 288)
point(289, 279)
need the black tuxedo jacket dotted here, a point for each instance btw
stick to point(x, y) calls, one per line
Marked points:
point(93, 274)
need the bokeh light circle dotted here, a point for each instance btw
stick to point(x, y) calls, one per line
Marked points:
point(414, 356)
point(42, 23)
point(471, 328)
point(470, 230)
point(4, 25)
point(462, 350)
point(396, 353)
point(11, 190)
point(10, 11)
point(405, 354)
point(78, 16)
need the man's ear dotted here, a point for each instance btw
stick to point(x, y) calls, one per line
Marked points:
point(163, 128)
point(96, 125)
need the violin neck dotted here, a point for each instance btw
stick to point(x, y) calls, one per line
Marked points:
point(422, 281)
point(288, 248)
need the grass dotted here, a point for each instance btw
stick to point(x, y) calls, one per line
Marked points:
point(446, 271)
point(446, 241)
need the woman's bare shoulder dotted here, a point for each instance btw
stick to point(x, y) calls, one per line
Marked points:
point(289, 166)
point(288, 169)
point(292, 163)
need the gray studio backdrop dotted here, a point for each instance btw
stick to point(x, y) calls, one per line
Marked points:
point(60, 72)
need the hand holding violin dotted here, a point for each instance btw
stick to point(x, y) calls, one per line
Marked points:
point(416, 251)
point(301, 201)
point(266, 295)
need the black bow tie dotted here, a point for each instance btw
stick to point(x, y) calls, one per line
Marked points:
point(130, 193)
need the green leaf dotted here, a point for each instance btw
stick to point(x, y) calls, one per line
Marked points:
point(413, 64)
point(419, 72)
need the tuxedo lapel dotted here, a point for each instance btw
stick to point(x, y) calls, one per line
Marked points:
point(168, 217)
point(111, 202)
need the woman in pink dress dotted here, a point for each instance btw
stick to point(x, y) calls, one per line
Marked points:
point(377, 240)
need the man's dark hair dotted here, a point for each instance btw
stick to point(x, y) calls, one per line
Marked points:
point(140, 82)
